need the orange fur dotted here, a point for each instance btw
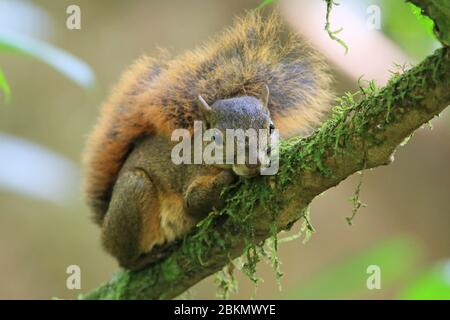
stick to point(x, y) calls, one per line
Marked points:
point(157, 95)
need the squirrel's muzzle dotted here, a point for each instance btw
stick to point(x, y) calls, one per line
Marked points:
point(246, 170)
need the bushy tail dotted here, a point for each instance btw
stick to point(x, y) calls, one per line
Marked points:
point(255, 51)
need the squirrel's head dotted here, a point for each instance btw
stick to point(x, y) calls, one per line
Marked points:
point(243, 115)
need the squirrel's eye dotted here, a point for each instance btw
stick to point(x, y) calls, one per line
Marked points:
point(213, 138)
point(271, 128)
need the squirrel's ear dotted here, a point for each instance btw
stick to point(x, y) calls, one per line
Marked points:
point(204, 106)
point(264, 97)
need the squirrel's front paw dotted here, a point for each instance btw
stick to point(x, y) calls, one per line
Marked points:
point(204, 193)
point(225, 178)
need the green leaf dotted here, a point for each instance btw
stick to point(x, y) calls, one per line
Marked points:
point(4, 87)
point(64, 62)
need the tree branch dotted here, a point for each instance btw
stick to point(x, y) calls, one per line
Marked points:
point(357, 136)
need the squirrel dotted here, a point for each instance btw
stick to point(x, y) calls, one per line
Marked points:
point(253, 75)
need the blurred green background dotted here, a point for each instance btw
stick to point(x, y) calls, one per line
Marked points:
point(53, 81)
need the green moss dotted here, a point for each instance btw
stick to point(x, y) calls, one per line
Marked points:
point(355, 199)
point(349, 119)
point(332, 34)
point(226, 281)
point(358, 122)
point(171, 270)
point(246, 195)
point(307, 228)
point(270, 252)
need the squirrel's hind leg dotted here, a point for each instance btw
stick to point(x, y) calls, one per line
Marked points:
point(132, 224)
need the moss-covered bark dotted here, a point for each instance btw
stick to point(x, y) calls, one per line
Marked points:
point(357, 136)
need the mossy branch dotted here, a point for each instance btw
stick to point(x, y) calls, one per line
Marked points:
point(358, 135)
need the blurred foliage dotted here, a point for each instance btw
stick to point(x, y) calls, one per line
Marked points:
point(26, 167)
point(433, 284)
point(65, 63)
point(404, 23)
point(4, 87)
point(395, 257)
